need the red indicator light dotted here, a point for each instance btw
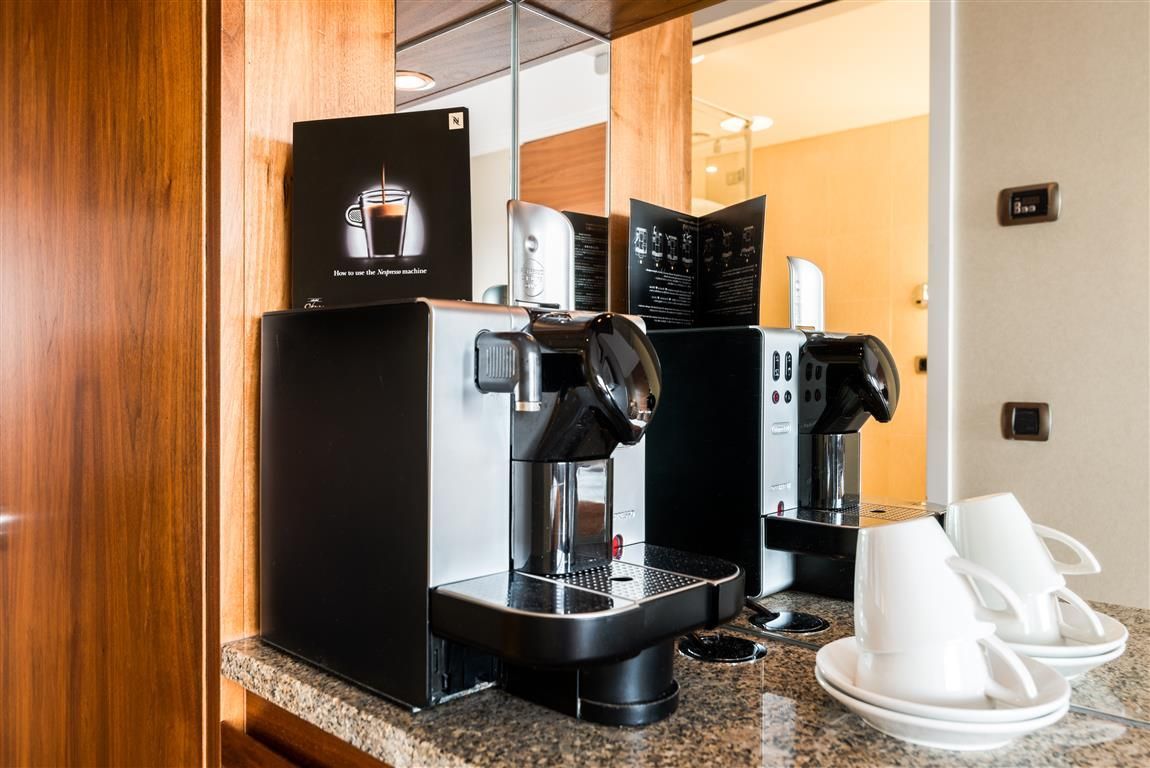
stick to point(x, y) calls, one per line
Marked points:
point(617, 546)
point(780, 507)
point(775, 396)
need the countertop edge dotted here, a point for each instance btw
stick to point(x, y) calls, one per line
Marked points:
point(340, 718)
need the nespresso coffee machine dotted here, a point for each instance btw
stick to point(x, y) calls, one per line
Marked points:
point(436, 508)
point(756, 454)
point(724, 452)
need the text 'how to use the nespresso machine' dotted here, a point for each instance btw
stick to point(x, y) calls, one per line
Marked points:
point(436, 488)
point(756, 456)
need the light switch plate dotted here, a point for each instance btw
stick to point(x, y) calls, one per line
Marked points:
point(1031, 204)
point(1026, 421)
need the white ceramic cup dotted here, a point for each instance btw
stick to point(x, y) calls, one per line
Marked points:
point(995, 532)
point(954, 674)
point(1043, 622)
point(911, 590)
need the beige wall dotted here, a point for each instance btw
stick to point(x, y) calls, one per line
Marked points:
point(855, 203)
point(1060, 312)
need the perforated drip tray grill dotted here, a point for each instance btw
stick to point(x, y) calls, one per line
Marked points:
point(611, 610)
point(861, 515)
point(834, 532)
point(625, 580)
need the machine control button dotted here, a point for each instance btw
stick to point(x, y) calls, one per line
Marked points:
point(818, 395)
point(790, 366)
point(810, 370)
point(775, 366)
point(818, 372)
point(787, 396)
point(775, 396)
point(780, 428)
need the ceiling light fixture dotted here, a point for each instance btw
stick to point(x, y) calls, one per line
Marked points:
point(761, 123)
point(406, 80)
point(712, 169)
point(733, 124)
point(697, 58)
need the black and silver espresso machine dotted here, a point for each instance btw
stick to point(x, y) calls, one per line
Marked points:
point(436, 508)
point(756, 455)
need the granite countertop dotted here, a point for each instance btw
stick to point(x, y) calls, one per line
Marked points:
point(769, 712)
point(1119, 689)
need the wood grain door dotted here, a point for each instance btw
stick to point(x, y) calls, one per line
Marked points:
point(106, 415)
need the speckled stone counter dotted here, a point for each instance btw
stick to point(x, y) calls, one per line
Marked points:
point(838, 613)
point(1118, 689)
point(1122, 687)
point(770, 712)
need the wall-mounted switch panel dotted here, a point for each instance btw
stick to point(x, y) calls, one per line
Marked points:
point(1029, 205)
point(1026, 421)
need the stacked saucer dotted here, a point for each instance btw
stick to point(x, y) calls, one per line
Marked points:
point(988, 725)
point(1073, 657)
point(1055, 626)
point(925, 665)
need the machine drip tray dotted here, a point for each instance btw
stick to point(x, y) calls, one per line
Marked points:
point(720, 647)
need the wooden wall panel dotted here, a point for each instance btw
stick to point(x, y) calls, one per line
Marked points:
point(236, 548)
point(650, 132)
point(282, 62)
point(567, 171)
point(105, 451)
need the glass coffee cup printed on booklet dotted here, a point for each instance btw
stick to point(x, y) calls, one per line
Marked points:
point(382, 215)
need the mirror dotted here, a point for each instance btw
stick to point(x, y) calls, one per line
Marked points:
point(825, 111)
point(541, 131)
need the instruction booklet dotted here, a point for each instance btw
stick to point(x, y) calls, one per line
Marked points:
point(696, 272)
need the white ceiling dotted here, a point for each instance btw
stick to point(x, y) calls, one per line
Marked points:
point(844, 65)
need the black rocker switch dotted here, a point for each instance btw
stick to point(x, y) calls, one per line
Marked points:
point(1026, 421)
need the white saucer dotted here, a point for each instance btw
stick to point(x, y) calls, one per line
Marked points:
point(1114, 635)
point(1073, 667)
point(837, 662)
point(940, 734)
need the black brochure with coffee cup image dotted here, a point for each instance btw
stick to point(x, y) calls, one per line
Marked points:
point(590, 260)
point(696, 272)
point(381, 208)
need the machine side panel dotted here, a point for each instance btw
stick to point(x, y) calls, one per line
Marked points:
point(470, 450)
point(344, 493)
point(780, 444)
point(703, 471)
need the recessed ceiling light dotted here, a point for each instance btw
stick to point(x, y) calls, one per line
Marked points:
point(697, 58)
point(733, 124)
point(761, 123)
point(712, 169)
point(405, 80)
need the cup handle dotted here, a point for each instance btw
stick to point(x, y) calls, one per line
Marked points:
point(1093, 633)
point(971, 570)
point(347, 216)
point(1022, 690)
point(1087, 563)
